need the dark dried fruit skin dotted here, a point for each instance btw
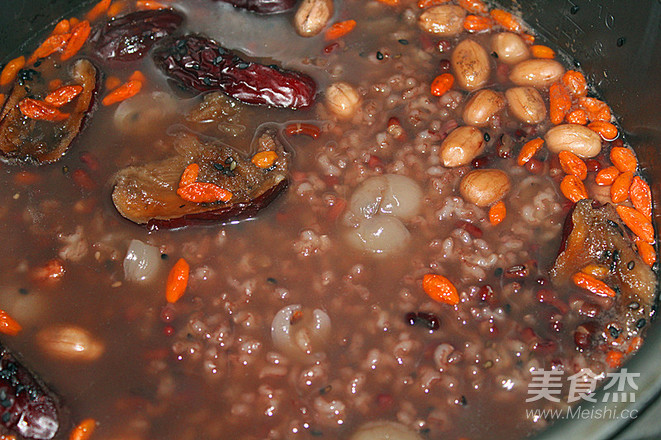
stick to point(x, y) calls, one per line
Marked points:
point(40, 142)
point(263, 6)
point(27, 407)
point(201, 64)
point(147, 194)
point(129, 37)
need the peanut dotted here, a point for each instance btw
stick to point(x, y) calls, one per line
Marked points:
point(539, 73)
point(510, 48)
point(482, 107)
point(70, 343)
point(484, 187)
point(444, 20)
point(577, 139)
point(312, 16)
point(342, 99)
point(526, 104)
point(461, 146)
point(471, 65)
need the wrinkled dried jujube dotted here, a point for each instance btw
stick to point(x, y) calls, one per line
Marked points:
point(201, 64)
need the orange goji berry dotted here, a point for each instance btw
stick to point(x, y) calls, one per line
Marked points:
point(204, 192)
point(138, 76)
point(614, 358)
point(540, 51)
point(641, 196)
point(63, 95)
point(578, 116)
point(189, 175)
point(497, 213)
point(99, 9)
point(529, 39)
point(55, 84)
point(11, 70)
point(559, 103)
point(84, 430)
point(606, 176)
point(634, 344)
point(572, 164)
point(529, 150)
point(264, 159)
point(150, 5)
point(573, 189)
point(637, 222)
point(597, 110)
point(605, 129)
point(52, 44)
point(575, 83)
point(62, 27)
point(476, 23)
point(177, 281)
point(115, 9)
point(122, 92)
point(79, 34)
point(505, 19)
point(8, 325)
point(646, 251)
point(340, 29)
point(40, 110)
point(422, 4)
point(474, 6)
point(623, 159)
point(440, 289)
point(592, 284)
point(620, 187)
point(112, 82)
point(441, 84)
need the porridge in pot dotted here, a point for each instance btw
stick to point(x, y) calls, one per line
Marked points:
point(274, 220)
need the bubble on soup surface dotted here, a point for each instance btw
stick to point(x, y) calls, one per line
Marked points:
point(299, 332)
point(390, 194)
point(384, 430)
point(381, 234)
point(139, 114)
point(142, 261)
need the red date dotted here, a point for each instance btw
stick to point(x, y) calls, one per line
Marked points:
point(129, 37)
point(201, 64)
point(27, 407)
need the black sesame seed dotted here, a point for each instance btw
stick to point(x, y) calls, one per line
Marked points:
point(487, 138)
point(641, 323)
point(271, 280)
point(616, 255)
point(411, 318)
point(631, 264)
point(577, 63)
point(23, 291)
point(379, 55)
point(206, 81)
point(403, 41)
point(463, 401)
point(494, 54)
point(164, 256)
point(498, 272)
point(614, 332)
point(325, 390)
point(242, 65)
point(621, 41)
point(574, 9)
point(37, 63)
